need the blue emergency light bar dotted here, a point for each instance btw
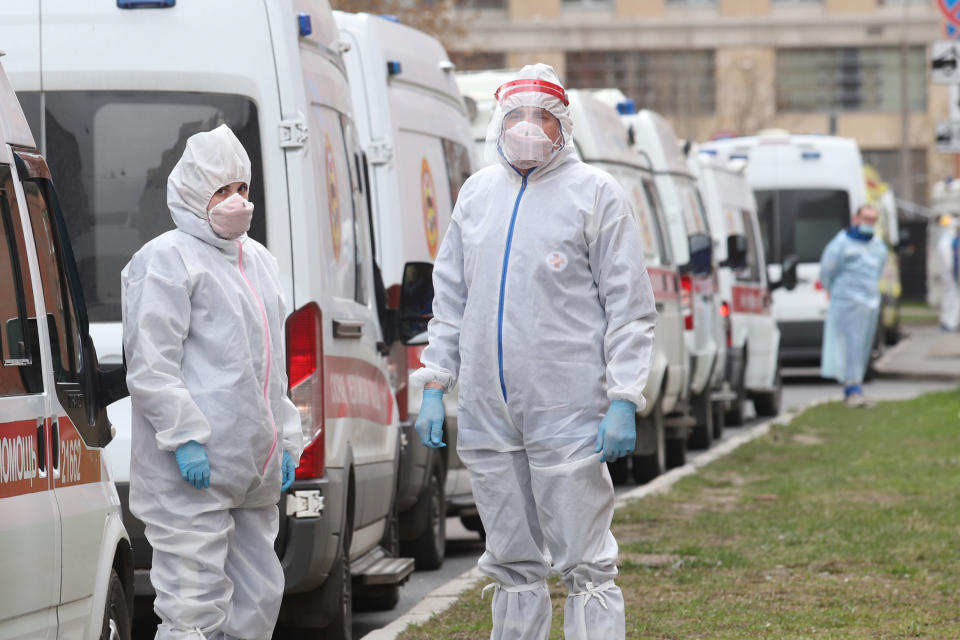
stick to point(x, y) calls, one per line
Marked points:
point(626, 107)
point(394, 68)
point(810, 155)
point(390, 17)
point(303, 22)
point(738, 156)
point(709, 152)
point(146, 4)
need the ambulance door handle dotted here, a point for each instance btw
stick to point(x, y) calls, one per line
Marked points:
point(42, 445)
point(348, 329)
point(55, 442)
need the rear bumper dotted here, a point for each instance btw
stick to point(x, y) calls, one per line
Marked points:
point(800, 342)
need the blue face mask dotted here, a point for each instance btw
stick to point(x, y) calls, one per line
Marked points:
point(866, 229)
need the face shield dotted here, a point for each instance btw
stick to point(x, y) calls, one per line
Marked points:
point(531, 125)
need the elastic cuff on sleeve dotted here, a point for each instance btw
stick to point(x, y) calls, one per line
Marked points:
point(424, 376)
point(635, 398)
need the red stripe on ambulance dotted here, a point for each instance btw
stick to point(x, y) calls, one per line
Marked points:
point(77, 463)
point(665, 284)
point(357, 389)
point(750, 300)
point(19, 463)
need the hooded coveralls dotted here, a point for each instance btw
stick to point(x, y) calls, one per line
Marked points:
point(850, 269)
point(544, 310)
point(948, 258)
point(203, 322)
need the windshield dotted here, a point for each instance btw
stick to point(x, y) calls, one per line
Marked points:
point(800, 221)
point(110, 153)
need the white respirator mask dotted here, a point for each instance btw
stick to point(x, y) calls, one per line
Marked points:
point(525, 145)
point(231, 218)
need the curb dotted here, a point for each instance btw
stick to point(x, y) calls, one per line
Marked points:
point(441, 598)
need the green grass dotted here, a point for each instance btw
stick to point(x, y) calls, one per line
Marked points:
point(842, 524)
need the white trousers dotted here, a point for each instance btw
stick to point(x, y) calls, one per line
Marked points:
point(565, 510)
point(950, 304)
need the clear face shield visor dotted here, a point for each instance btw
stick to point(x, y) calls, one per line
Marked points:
point(529, 125)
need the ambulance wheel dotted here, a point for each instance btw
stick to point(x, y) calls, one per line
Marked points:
point(676, 452)
point(430, 548)
point(735, 416)
point(339, 584)
point(768, 403)
point(473, 523)
point(649, 466)
point(618, 470)
point(116, 617)
point(702, 435)
point(382, 597)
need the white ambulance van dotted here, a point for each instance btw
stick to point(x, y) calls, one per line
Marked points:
point(602, 142)
point(689, 233)
point(124, 84)
point(807, 188)
point(413, 125)
point(66, 559)
point(478, 88)
point(752, 336)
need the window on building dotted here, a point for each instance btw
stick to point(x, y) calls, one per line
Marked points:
point(887, 164)
point(478, 60)
point(588, 4)
point(674, 83)
point(481, 4)
point(849, 79)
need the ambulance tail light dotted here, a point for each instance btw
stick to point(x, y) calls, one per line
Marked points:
point(818, 285)
point(304, 334)
point(686, 301)
point(727, 324)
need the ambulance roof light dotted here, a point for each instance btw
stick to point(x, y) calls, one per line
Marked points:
point(810, 155)
point(394, 68)
point(390, 17)
point(145, 4)
point(626, 107)
point(304, 24)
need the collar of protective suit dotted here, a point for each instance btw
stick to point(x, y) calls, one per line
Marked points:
point(559, 159)
point(211, 159)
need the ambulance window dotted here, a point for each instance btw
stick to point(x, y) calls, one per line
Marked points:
point(111, 153)
point(653, 197)
point(750, 273)
point(649, 228)
point(457, 157)
point(65, 330)
point(358, 203)
point(20, 370)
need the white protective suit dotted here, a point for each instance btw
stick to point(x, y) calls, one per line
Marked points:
point(949, 263)
point(544, 310)
point(203, 322)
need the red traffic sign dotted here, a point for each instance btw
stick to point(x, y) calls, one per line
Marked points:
point(950, 10)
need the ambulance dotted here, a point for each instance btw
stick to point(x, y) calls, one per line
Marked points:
point(752, 336)
point(112, 90)
point(478, 88)
point(807, 188)
point(414, 127)
point(66, 557)
point(602, 142)
point(693, 248)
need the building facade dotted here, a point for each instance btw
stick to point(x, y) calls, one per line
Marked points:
point(727, 67)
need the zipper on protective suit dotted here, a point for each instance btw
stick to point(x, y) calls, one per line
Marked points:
point(266, 357)
point(503, 280)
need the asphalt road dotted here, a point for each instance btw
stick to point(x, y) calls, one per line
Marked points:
point(802, 387)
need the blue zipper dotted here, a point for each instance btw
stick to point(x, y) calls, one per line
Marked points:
point(503, 283)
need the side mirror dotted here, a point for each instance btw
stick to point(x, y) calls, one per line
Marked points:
point(788, 274)
point(416, 300)
point(736, 252)
point(701, 255)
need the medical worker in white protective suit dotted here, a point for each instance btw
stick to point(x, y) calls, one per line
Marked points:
point(850, 269)
point(948, 258)
point(544, 311)
point(214, 434)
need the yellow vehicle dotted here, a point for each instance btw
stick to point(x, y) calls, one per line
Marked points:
point(880, 196)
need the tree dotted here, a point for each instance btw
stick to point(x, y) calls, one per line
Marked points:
point(436, 17)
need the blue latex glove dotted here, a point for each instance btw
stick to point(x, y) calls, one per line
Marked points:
point(289, 471)
point(429, 425)
point(193, 463)
point(617, 435)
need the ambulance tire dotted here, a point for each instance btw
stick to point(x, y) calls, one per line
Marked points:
point(618, 470)
point(382, 597)
point(646, 467)
point(116, 617)
point(676, 452)
point(735, 417)
point(473, 523)
point(767, 404)
point(340, 584)
point(431, 547)
point(702, 435)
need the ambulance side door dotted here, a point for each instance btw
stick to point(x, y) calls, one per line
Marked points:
point(29, 519)
point(82, 495)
